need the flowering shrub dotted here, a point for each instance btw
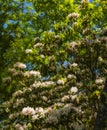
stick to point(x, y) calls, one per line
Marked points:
point(57, 83)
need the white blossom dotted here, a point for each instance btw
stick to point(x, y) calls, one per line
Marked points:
point(74, 65)
point(20, 65)
point(38, 45)
point(84, 1)
point(42, 56)
point(73, 15)
point(60, 82)
point(99, 81)
point(28, 111)
point(48, 83)
point(32, 73)
point(74, 89)
point(40, 111)
point(35, 73)
point(65, 98)
point(73, 44)
point(35, 117)
point(28, 51)
point(36, 84)
point(71, 76)
point(48, 110)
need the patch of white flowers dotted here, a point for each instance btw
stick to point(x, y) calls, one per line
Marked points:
point(28, 111)
point(71, 76)
point(74, 65)
point(99, 81)
point(32, 73)
point(60, 82)
point(73, 90)
point(28, 51)
point(20, 65)
point(73, 44)
point(39, 113)
point(73, 15)
point(39, 44)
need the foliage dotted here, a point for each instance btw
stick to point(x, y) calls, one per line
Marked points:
point(57, 68)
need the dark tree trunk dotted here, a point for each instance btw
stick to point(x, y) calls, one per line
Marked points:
point(101, 119)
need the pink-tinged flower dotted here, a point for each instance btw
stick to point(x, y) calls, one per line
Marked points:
point(28, 111)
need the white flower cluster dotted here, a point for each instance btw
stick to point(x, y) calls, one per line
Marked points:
point(36, 84)
point(73, 44)
point(60, 82)
point(73, 90)
point(99, 81)
point(28, 51)
point(32, 73)
point(74, 65)
point(39, 113)
point(84, 1)
point(48, 110)
point(73, 95)
point(47, 83)
point(42, 56)
point(74, 98)
point(39, 44)
point(20, 65)
point(65, 98)
point(42, 84)
point(19, 102)
point(39, 110)
point(73, 15)
point(28, 111)
point(71, 76)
